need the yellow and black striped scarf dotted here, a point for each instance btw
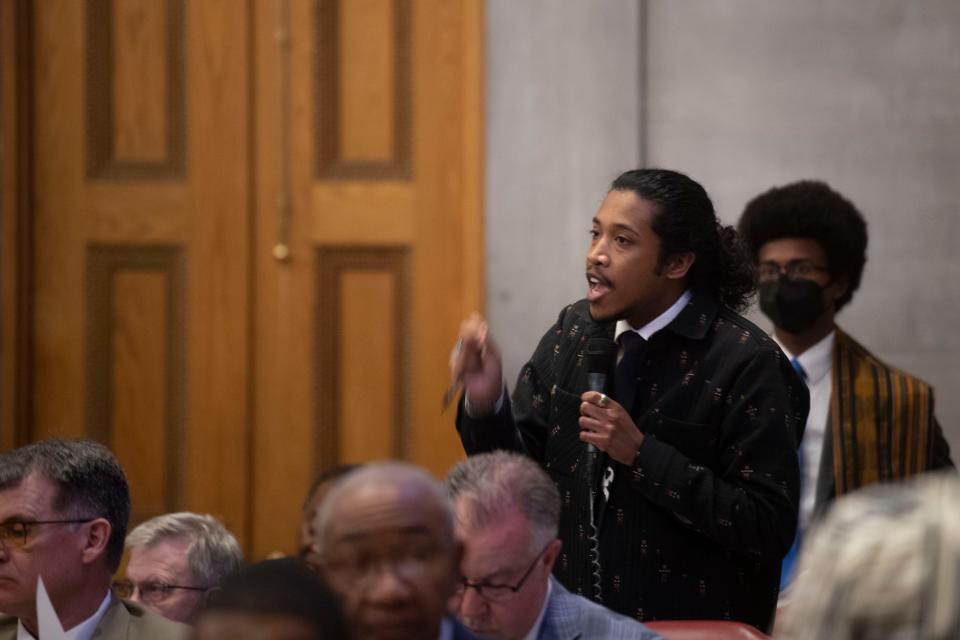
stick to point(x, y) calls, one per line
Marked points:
point(882, 419)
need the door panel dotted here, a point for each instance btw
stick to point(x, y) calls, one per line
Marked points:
point(383, 175)
point(255, 229)
point(141, 244)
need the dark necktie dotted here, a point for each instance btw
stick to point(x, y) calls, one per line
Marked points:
point(625, 379)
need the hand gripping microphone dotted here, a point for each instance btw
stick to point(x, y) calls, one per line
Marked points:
point(601, 360)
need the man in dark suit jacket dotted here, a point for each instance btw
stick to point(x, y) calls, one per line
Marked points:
point(868, 422)
point(64, 507)
point(507, 513)
point(694, 499)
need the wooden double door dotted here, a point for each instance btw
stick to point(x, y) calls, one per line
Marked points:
point(238, 237)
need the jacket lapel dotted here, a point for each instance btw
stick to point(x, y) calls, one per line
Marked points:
point(560, 621)
point(826, 485)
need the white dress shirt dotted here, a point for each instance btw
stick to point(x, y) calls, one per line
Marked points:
point(654, 325)
point(83, 631)
point(817, 362)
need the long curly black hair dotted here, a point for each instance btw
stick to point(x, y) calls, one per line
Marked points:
point(684, 220)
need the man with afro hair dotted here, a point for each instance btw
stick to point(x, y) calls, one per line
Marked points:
point(868, 422)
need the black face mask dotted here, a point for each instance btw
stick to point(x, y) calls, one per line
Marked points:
point(792, 305)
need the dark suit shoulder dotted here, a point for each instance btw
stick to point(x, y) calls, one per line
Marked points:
point(460, 632)
point(743, 331)
point(578, 313)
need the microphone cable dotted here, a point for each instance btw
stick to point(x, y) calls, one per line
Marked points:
point(601, 360)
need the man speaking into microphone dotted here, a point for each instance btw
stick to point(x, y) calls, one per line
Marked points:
point(695, 489)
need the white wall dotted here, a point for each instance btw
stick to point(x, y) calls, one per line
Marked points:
point(562, 100)
point(864, 94)
point(742, 95)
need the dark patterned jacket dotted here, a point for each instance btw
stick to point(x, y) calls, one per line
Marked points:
point(697, 527)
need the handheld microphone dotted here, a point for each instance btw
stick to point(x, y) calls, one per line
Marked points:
point(601, 360)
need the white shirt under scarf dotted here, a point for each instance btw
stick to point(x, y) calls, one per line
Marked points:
point(817, 363)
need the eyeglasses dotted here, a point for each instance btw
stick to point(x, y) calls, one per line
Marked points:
point(360, 567)
point(150, 592)
point(794, 270)
point(497, 592)
point(14, 533)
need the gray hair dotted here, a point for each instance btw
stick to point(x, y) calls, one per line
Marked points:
point(90, 483)
point(489, 485)
point(213, 552)
point(377, 475)
point(885, 563)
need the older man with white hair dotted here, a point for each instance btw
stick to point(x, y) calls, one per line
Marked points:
point(507, 513)
point(383, 538)
point(175, 560)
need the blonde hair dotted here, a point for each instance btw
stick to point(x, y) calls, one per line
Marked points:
point(885, 563)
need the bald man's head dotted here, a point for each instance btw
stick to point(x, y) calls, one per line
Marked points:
point(384, 538)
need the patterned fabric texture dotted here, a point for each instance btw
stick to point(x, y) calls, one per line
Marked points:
point(698, 525)
point(572, 617)
point(882, 419)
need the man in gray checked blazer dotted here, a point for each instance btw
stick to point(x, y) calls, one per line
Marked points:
point(507, 513)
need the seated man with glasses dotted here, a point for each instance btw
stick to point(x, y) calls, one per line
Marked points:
point(64, 507)
point(507, 512)
point(383, 540)
point(176, 560)
point(868, 422)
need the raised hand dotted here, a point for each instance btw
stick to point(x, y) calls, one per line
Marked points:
point(475, 363)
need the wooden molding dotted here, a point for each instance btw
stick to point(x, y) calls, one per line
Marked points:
point(332, 264)
point(102, 162)
point(16, 221)
point(330, 165)
point(104, 262)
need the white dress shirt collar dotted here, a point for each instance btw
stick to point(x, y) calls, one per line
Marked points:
point(817, 360)
point(657, 323)
point(83, 631)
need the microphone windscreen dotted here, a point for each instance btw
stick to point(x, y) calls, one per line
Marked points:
point(601, 355)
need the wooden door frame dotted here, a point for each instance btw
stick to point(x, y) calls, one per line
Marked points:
point(16, 228)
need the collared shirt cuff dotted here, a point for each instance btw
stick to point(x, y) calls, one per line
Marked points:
point(496, 407)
